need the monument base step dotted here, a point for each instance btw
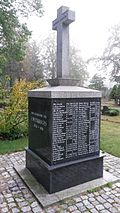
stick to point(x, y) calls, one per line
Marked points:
point(59, 177)
point(64, 82)
point(45, 199)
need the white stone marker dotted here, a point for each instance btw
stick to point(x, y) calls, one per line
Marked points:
point(61, 24)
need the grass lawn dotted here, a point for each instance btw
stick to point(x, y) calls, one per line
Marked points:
point(13, 146)
point(115, 119)
point(110, 137)
point(110, 131)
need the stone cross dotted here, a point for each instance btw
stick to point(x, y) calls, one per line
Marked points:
point(61, 24)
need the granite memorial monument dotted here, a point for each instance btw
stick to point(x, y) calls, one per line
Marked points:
point(64, 124)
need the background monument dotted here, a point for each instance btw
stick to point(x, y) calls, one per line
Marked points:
point(64, 124)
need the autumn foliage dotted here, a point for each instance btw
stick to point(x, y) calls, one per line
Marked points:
point(13, 118)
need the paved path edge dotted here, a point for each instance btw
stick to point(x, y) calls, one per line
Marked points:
point(45, 199)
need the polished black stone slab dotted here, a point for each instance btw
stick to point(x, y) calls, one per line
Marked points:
point(63, 130)
point(62, 176)
point(40, 128)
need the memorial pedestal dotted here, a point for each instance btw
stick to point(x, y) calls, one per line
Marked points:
point(62, 176)
point(64, 136)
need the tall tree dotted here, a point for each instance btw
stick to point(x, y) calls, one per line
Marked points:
point(48, 56)
point(115, 93)
point(97, 82)
point(32, 67)
point(118, 93)
point(111, 55)
point(78, 68)
point(13, 34)
point(110, 60)
point(28, 7)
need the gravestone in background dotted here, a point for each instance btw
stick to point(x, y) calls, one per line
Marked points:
point(64, 124)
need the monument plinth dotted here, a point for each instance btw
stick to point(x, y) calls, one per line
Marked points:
point(64, 126)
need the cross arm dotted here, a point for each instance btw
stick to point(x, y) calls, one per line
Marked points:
point(66, 18)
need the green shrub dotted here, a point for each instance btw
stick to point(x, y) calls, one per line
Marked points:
point(109, 111)
point(13, 117)
point(105, 110)
point(113, 112)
